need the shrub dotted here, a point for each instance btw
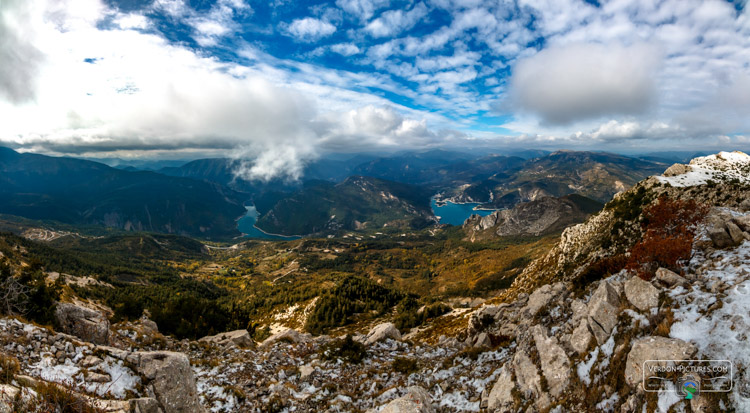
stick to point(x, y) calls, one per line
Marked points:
point(669, 227)
point(345, 349)
point(9, 367)
point(60, 399)
point(405, 365)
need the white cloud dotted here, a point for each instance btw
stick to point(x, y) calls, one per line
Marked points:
point(121, 92)
point(210, 27)
point(393, 22)
point(20, 58)
point(310, 29)
point(345, 49)
point(362, 9)
point(584, 81)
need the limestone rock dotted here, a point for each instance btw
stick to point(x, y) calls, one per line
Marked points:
point(145, 405)
point(603, 309)
point(82, 322)
point(148, 325)
point(483, 318)
point(305, 371)
point(641, 293)
point(743, 222)
point(482, 340)
point(580, 310)
point(416, 400)
point(541, 297)
point(8, 395)
point(527, 376)
point(554, 361)
point(655, 348)
point(239, 338)
point(289, 335)
point(735, 233)
point(500, 398)
point(669, 278)
point(171, 379)
point(381, 332)
point(722, 231)
point(677, 169)
point(581, 337)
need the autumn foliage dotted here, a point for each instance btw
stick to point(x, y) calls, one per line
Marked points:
point(669, 227)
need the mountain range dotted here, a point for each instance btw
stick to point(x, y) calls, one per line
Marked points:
point(205, 197)
point(81, 192)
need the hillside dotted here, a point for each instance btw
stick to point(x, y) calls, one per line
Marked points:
point(79, 192)
point(596, 175)
point(540, 216)
point(356, 203)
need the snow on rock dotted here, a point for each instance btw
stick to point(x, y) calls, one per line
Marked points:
point(719, 331)
point(721, 166)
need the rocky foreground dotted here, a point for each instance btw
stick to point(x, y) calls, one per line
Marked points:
point(560, 339)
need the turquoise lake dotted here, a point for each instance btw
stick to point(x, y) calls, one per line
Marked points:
point(456, 214)
point(246, 225)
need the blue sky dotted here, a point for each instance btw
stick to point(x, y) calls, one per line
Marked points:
point(283, 82)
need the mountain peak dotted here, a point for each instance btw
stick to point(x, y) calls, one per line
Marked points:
point(723, 166)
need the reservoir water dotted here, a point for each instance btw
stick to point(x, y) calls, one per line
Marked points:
point(246, 225)
point(456, 214)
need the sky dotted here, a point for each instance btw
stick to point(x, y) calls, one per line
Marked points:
point(280, 83)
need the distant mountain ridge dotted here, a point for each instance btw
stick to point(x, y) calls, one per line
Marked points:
point(83, 192)
point(356, 203)
point(596, 175)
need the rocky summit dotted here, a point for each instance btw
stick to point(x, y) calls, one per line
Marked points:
point(662, 272)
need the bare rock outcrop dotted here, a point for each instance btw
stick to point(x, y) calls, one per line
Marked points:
point(171, 380)
point(554, 361)
point(84, 323)
point(381, 332)
point(655, 348)
point(641, 294)
point(416, 400)
point(239, 338)
point(603, 309)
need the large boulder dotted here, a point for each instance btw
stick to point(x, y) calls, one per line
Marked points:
point(554, 361)
point(603, 309)
point(381, 332)
point(500, 398)
point(239, 338)
point(641, 294)
point(416, 400)
point(677, 169)
point(288, 335)
point(655, 348)
point(84, 323)
point(171, 380)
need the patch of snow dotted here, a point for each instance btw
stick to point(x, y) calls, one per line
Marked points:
point(123, 380)
point(721, 166)
point(668, 397)
point(584, 368)
point(722, 333)
point(608, 405)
